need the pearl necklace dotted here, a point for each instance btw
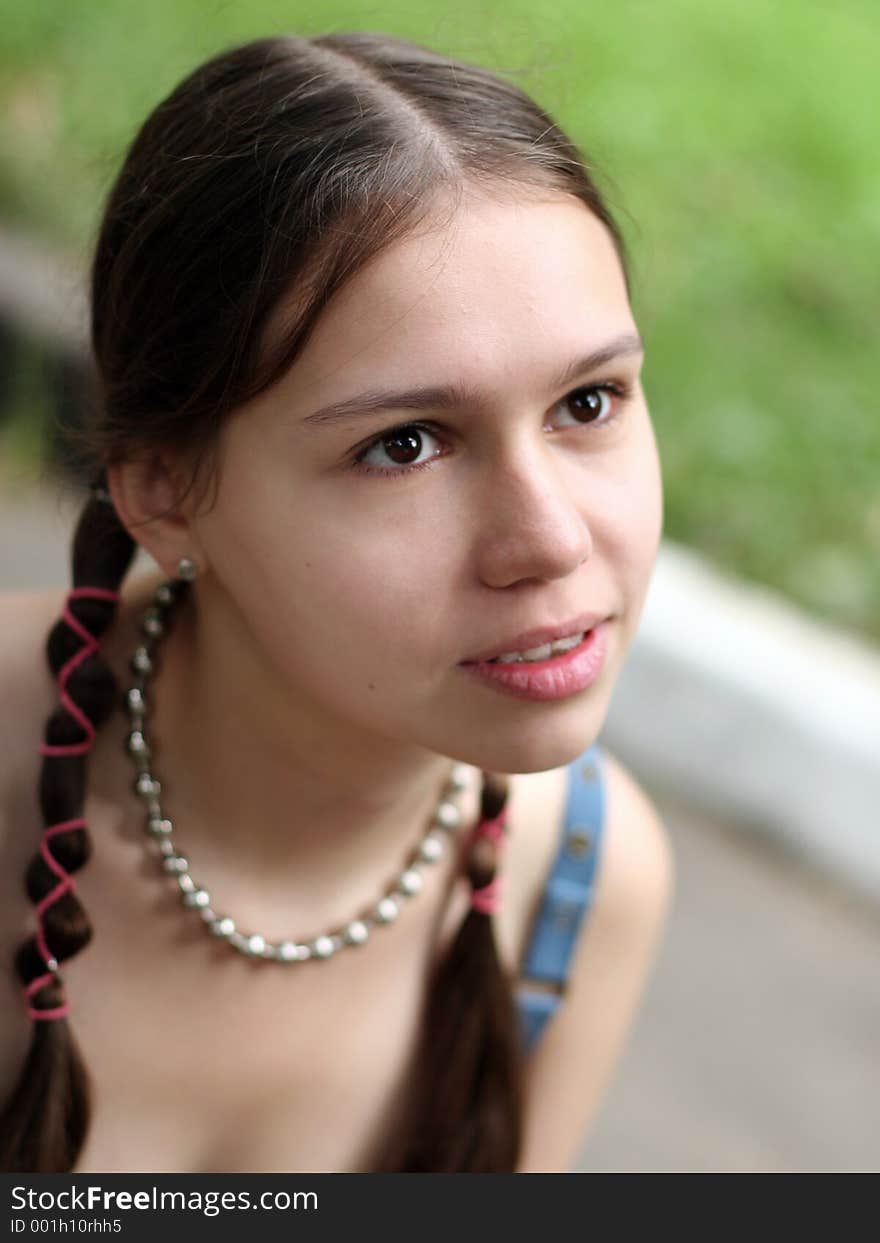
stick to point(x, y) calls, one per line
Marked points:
point(447, 816)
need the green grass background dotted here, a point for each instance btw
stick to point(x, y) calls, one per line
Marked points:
point(737, 143)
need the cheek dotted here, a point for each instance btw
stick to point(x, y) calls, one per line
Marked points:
point(652, 483)
point(633, 521)
point(648, 515)
point(343, 595)
point(368, 595)
point(645, 485)
point(358, 580)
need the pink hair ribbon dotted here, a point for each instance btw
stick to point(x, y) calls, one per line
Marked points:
point(65, 880)
point(90, 645)
point(487, 900)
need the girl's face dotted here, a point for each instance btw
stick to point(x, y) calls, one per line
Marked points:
point(516, 502)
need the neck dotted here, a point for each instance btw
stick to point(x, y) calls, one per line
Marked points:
point(277, 806)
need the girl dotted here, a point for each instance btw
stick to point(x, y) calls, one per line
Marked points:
point(370, 300)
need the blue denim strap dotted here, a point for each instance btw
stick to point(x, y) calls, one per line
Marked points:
point(567, 896)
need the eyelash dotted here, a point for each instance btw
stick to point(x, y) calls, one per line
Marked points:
point(622, 391)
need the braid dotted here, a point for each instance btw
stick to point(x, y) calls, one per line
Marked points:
point(44, 1123)
point(464, 1112)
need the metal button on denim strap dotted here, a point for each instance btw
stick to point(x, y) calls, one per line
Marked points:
point(580, 840)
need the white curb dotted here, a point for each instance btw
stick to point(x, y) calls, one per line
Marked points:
point(752, 710)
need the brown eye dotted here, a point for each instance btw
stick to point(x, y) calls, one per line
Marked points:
point(592, 402)
point(401, 447)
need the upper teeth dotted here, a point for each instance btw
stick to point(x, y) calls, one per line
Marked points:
point(541, 653)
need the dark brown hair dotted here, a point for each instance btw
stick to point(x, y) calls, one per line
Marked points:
point(277, 167)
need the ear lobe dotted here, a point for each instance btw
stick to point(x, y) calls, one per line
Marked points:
point(144, 493)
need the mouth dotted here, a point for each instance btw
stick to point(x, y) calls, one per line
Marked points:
point(557, 676)
point(540, 644)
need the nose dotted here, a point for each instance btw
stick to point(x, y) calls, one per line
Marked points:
point(533, 522)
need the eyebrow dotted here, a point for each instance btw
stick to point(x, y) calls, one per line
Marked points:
point(452, 396)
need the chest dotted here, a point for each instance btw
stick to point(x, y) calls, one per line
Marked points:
point(217, 1063)
point(229, 1065)
point(200, 1060)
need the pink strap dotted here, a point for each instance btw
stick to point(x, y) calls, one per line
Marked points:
point(90, 645)
point(65, 880)
point(65, 883)
point(493, 829)
point(487, 900)
point(59, 1012)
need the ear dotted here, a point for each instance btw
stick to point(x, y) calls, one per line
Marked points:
point(144, 492)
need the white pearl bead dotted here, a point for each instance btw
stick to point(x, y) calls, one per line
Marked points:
point(323, 946)
point(224, 927)
point(386, 910)
point(356, 932)
point(186, 883)
point(459, 778)
point(410, 882)
point(287, 951)
point(448, 815)
point(256, 944)
point(141, 661)
point(137, 743)
point(431, 848)
point(152, 624)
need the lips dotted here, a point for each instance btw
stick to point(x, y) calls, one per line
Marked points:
point(544, 681)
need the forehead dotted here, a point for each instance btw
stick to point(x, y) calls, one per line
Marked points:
point(533, 281)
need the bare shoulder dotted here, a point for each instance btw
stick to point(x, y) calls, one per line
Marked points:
point(568, 1074)
point(636, 871)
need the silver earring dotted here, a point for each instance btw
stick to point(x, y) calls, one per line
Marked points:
point(186, 569)
point(100, 493)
